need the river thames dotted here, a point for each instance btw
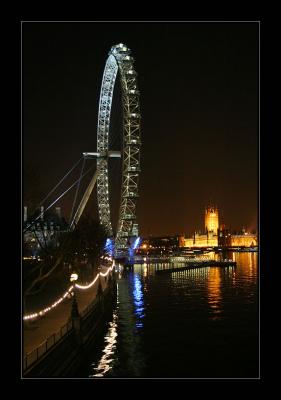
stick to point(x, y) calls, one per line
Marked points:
point(200, 323)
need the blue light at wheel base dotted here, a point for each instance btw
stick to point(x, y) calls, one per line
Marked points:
point(134, 246)
point(109, 246)
point(136, 243)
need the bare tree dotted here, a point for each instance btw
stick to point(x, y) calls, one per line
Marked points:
point(87, 238)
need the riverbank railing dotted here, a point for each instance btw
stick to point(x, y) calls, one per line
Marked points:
point(36, 354)
point(33, 356)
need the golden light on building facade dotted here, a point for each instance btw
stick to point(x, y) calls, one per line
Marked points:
point(218, 236)
point(246, 240)
point(210, 237)
point(211, 219)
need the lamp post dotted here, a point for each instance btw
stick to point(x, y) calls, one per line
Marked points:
point(74, 309)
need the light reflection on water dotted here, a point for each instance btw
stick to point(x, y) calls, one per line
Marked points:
point(214, 292)
point(138, 300)
point(128, 319)
point(105, 363)
point(208, 312)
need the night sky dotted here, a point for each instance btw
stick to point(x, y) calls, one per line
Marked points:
point(199, 105)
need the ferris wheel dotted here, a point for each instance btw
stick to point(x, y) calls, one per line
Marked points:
point(119, 59)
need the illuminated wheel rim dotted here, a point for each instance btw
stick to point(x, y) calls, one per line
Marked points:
point(119, 59)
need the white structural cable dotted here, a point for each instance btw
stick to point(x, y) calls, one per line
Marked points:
point(57, 185)
point(77, 190)
point(42, 213)
point(84, 200)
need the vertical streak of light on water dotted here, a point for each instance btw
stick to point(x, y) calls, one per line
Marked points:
point(138, 300)
point(105, 363)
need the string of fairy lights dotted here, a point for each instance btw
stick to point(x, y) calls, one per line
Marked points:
point(67, 293)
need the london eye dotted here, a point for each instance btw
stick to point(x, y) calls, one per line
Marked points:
point(119, 59)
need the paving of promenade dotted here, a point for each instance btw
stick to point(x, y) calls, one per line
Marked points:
point(39, 330)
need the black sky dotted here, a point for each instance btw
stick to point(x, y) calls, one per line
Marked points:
point(199, 105)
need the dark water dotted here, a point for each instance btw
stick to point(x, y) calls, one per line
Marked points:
point(197, 323)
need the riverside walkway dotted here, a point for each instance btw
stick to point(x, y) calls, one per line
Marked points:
point(37, 331)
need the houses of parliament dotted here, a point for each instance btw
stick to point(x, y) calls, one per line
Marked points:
point(217, 235)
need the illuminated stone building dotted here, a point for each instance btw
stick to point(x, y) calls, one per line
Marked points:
point(210, 237)
point(243, 239)
point(216, 235)
point(212, 219)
